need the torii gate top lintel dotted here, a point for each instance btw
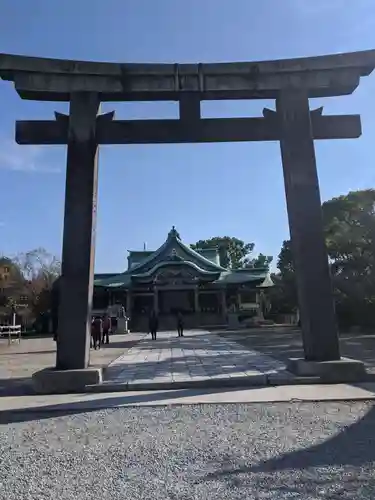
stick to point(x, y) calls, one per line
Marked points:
point(55, 79)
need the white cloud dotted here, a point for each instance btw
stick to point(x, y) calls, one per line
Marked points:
point(23, 158)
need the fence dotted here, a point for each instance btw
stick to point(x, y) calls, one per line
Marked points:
point(12, 332)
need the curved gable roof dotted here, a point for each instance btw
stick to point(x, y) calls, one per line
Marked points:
point(174, 244)
point(181, 262)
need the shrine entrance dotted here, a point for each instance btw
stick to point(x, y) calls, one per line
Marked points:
point(176, 300)
point(291, 83)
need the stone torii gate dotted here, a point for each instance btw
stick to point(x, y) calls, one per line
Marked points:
point(290, 82)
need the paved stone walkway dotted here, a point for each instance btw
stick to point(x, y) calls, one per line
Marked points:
point(198, 356)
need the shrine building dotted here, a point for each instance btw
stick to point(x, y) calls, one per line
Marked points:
point(177, 278)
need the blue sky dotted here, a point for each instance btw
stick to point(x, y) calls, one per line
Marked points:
point(205, 190)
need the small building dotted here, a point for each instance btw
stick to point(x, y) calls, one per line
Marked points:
point(175, 278)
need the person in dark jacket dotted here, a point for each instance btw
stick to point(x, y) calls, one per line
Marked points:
point(107, 326)
point(180, 324)
point(153, 325)
point(97, 332)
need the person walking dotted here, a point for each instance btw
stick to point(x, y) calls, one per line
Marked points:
point(153, 325)
point(180, 324)
point(92, 334)
point(97, 332)
point(107, 326)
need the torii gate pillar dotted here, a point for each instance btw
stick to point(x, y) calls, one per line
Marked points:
point(78, 254)
point(320, 336)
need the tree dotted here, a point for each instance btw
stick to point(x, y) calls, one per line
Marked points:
point(39, 270)
point(233, 252)
point(285, 260)
point(38, 263)
point(12, 284)
point(349, 223)
point(349, 227)
point(260, 261)
point(284, 295)
point(350, 231)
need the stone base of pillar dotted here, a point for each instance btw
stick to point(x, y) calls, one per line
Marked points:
point(342, 370)
point(52, 381)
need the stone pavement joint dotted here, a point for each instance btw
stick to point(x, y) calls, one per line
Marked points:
point(200, 358)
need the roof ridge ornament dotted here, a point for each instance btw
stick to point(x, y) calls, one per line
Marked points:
point(173, 233)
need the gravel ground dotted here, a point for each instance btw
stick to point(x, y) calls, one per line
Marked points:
point(268, 451)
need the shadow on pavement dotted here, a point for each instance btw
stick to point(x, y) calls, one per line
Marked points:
point(125, 344)
point(213, 366)
point(215, 358)
point(65, 409)
point(283, 344)
point(15, 386)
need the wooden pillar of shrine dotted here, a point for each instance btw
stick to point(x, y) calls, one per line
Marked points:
point(223, 299)
point(156, 300)
point(259, 301)
point(197, 308)
point(128, 303)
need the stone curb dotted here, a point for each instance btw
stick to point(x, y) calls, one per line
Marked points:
point(56, 409)
point(249, 381)
point(261, 380)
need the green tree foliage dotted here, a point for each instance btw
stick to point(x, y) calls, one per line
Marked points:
point(233, 252)
point(284, 295)
point(349, 226)
point(260, 261)
point(349, 223)
point(285, 260)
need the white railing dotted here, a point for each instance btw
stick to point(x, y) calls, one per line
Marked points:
point(12, 332)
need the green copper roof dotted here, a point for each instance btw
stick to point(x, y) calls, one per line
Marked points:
point(243, 276)
point(136, 257)
point(173, 252)
point(117, 281)
point(211, 254)
point(267, 282)
point(177, 262)
point(174, 246)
